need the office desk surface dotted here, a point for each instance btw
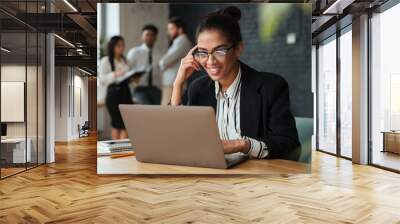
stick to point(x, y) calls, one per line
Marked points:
point(13, 140)
point(129, 165)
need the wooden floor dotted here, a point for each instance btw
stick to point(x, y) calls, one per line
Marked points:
point(387, 159)
point(5, 172)
point(69, 191)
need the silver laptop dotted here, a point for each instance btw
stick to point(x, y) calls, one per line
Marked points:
point(177, 135)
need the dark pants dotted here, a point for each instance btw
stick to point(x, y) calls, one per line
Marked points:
point(117, 94)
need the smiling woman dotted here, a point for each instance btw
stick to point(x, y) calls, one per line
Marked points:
point(252, 108)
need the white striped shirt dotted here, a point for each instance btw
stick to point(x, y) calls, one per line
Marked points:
point(228, 117)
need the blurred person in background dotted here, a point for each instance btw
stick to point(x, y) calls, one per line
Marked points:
point(169, 63)
point(113, 69)
point(140, 59)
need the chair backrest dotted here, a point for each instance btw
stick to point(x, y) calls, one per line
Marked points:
point(305, 130)
point(86, 125)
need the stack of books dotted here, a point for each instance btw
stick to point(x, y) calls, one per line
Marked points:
point(114, 147)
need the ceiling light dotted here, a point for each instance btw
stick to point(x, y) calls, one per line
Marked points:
point(5, 50)
point(337, 7)
point(70, 5)
point(333, 6)
point(84, 71)
point(65, 41)
point(79, 51)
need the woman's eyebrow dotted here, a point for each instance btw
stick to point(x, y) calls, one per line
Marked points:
point(219, 46)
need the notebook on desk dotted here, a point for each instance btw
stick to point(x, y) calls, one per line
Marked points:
point(111, 147)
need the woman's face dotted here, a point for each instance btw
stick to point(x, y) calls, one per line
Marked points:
point(119, 48)
point(217, 65)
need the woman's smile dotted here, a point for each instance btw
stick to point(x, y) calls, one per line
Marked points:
point(214, 70)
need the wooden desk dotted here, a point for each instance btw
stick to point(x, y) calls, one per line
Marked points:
point(13, 150)
point(391, 141)
point(129, 165)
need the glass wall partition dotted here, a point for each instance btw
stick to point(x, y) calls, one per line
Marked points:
point(334, 81)
point(345, 60)
point(13, 147)
point(334, 91)
point(327, 95)
point(385, 89)
point(13, 121)
point(22, 77)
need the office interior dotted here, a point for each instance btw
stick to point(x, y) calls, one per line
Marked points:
point(357, 84)
point(47, 82)
point(355, 164)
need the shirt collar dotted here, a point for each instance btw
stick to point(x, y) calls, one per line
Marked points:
point(144, 46)
point(232, 89)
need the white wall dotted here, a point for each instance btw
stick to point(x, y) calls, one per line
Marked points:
point(33, 126)
point(112, 26)
point(80, 84)
point(70, 83)
point(61, 105)
point(17, 73)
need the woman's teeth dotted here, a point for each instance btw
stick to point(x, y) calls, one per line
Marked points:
point(214, 70)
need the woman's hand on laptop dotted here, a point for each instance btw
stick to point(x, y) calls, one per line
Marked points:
point(233, 146)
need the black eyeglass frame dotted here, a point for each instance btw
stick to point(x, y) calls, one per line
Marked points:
point(213, 51)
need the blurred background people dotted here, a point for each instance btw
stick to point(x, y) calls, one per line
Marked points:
point(140, 58)
point(169, 63)
point(113, 68)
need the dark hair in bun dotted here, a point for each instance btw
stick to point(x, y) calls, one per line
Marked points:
point(225, 21)
point(233, 11)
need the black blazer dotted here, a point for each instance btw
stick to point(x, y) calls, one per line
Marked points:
point(264, 110)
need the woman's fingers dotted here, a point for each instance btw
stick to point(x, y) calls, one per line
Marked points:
point(188, 65)
point(191, 63)
point(196, 65)
point(192, 50)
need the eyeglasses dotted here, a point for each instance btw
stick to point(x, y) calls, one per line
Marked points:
point(219, 53)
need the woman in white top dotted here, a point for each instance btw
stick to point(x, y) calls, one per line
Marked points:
point(112, 69)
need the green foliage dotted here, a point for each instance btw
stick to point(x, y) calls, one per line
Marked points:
point(272, 15)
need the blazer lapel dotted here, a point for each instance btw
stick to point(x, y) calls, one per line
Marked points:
point(210, 95)
point(250, 103)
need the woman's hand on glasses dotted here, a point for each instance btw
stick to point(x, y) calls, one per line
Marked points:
point(187, 67)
